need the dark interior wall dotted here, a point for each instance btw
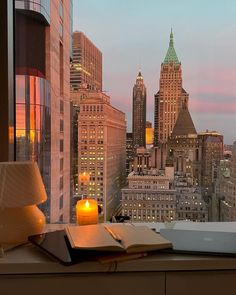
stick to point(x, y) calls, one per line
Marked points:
point(30, 45)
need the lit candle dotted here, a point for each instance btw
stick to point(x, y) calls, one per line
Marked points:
point(87, 212)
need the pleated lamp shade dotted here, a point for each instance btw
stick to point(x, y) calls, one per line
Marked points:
point(21, 185)
point(21, 190)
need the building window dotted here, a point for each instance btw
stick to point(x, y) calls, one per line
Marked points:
point(61, 125)
point(61, 202)
point(61, 69)
point(61, 164)
point(61, 145)
point(61, 107)
point(61, 182)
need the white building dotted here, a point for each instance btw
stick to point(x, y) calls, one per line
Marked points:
point(149, 198)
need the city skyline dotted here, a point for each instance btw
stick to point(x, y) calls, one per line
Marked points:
point(133, 34)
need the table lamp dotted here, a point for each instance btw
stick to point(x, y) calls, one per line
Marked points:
point(21, 189)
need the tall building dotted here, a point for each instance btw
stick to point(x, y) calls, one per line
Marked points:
point(74, 147)
point(223, 204)
point(233, 181)
point(43, 38)
point(169, 98)
point(212, 153)
point(101, 149)
point(139, 112)
point(86, 66)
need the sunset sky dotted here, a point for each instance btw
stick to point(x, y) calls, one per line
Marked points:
point(133, 33)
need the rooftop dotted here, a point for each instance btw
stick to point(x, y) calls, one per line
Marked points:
point(184, 124)
point(171, 55)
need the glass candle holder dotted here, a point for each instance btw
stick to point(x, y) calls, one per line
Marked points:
point(87, 212)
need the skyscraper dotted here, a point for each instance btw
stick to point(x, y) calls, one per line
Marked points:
point(43, 41)
point(86, 66)
point(169, 98)
point(101, 148)
point(139, 112)
point(212, 153)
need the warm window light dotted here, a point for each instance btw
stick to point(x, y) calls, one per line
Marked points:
point(87, 212)
point(21, 189)
point(84, 177)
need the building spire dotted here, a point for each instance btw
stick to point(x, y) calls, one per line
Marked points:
point(139, 77)
point(171, 43)
point(171, 54)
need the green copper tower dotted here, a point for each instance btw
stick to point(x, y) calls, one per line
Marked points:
point(171, 54)
point(171, 96)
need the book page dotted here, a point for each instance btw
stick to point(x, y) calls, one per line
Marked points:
point(139, 238)
point(92, 237)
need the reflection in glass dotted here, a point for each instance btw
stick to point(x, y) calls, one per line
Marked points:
point(33, 123)
point(39, 6)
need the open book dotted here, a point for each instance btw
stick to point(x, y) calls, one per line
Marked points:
point(116, 237)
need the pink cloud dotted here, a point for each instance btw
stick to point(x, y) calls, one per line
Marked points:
point(212, 107)
point(212, 80)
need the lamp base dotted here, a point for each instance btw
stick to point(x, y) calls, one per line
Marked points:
point(16, 224)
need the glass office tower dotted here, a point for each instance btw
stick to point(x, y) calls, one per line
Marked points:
point(42, 68)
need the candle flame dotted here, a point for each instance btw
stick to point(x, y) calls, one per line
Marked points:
point(87, 204)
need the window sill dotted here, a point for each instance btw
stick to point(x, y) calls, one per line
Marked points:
point(26, 259)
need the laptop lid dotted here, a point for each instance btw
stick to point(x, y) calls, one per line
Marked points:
point(201, 241)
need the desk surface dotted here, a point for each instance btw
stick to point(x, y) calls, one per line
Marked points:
point(27, 259)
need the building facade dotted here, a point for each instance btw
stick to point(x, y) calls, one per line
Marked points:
point(43, 97)
point(221, 198)
point(158, 156)
point(184, 147)
point(101, 149)
point(224, 197)
point(149, 134)
point(86, 66)
point(169, 98)
point(141, 161)
point(212, 153)
point(149, 198)
point(129, 152)
point(190, 204)
point(139, 112)
point(232, 199)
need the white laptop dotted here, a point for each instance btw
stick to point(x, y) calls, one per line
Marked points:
point(195, 241)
